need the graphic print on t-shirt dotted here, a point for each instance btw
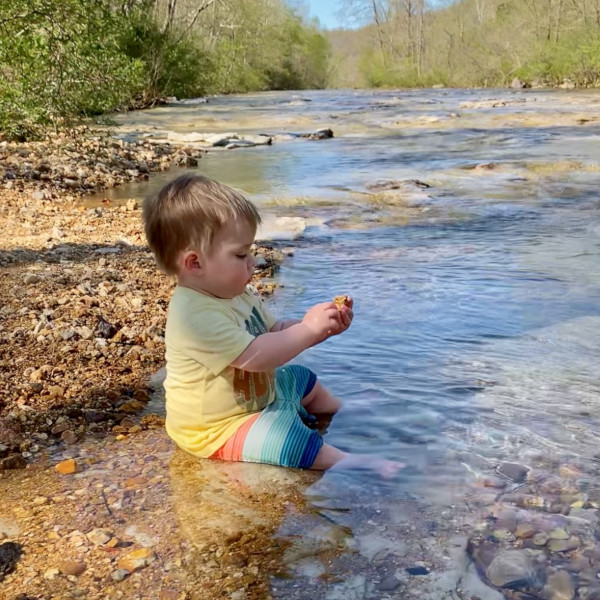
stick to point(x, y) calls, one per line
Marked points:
point(252, 391)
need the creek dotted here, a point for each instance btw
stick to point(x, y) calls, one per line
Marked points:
point(477, 314)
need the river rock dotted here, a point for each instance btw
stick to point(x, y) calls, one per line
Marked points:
point(586, 514)
point(559, 534)
point(320, 134)
point(559, 586)
point(513, 471)
point(281, 228)
point(389, 584)
point(564, 545)
point(512, 568)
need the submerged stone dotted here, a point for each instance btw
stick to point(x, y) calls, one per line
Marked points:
point(564, 545)
point(513, 471)
point(389, 584)
point(559, 586)
point(513, 569)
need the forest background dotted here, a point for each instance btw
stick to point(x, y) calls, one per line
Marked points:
point(61, 60)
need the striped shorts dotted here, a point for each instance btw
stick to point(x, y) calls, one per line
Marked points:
point(278, 435)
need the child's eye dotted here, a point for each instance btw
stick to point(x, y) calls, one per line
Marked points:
point(241, 255)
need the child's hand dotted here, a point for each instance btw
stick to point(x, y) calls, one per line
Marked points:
point(323, 320)
point(346, 314)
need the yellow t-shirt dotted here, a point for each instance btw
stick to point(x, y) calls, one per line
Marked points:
point(207, 399)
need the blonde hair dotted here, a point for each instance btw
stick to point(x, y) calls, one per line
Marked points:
point(190, 210)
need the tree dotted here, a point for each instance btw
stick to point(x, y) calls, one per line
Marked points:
point(60, 59)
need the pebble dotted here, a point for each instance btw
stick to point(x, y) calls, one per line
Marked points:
point(513, 471)
point(66, 467)
point(136, 560)
point(99, 537)
point(564, 545)
point(69, 436)
point(70, 567)
point(119, 574)
point(51, 573)
point(389, 584)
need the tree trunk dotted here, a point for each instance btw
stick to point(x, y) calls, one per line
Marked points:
point(558, 20)
point(379, 34)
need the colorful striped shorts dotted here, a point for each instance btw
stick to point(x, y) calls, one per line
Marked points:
point(278, 435)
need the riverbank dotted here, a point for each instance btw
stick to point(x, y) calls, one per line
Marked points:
point(82, 317)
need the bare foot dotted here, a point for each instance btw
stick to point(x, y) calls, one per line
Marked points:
point(388, 468)
point(382, 466)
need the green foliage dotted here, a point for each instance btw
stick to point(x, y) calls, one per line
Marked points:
point(175, 65)
point(472, 43)
point(575, 57)
point(59, 60)
point(64, 60)
point(303, 59)
point(282, 55)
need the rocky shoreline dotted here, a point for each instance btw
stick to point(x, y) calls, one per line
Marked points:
point(82, 303)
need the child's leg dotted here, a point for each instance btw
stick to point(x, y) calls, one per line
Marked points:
point(320, 402)
point(329, 457)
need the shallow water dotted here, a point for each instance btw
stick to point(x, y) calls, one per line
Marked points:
point(477, 322)
point(477, 302)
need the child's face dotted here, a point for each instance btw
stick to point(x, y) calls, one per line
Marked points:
point(229, 265)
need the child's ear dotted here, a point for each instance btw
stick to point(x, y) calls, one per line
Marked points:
point(191, 261)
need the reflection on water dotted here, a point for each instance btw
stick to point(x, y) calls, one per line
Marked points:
point(475, 343)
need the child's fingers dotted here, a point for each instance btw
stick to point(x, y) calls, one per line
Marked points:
point(347, 317)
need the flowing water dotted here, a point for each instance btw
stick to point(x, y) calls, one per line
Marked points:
point(477, 304)
point(484, 303)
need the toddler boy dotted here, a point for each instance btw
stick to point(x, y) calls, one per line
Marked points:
point(230, 391)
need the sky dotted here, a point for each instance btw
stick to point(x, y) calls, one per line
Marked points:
point(325, 10)
point(331, 12)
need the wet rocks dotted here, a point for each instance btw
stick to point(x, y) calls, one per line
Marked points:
point(535, 540)
point(320, 134)
point(381, 186)
point(513, 569)
point(513, 471)
point(559, 586)
point(403, 193)
point(389, 584)
point(232, 140)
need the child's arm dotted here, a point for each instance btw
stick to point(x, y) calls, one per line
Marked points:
point(284, 324)
point(276, 348)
